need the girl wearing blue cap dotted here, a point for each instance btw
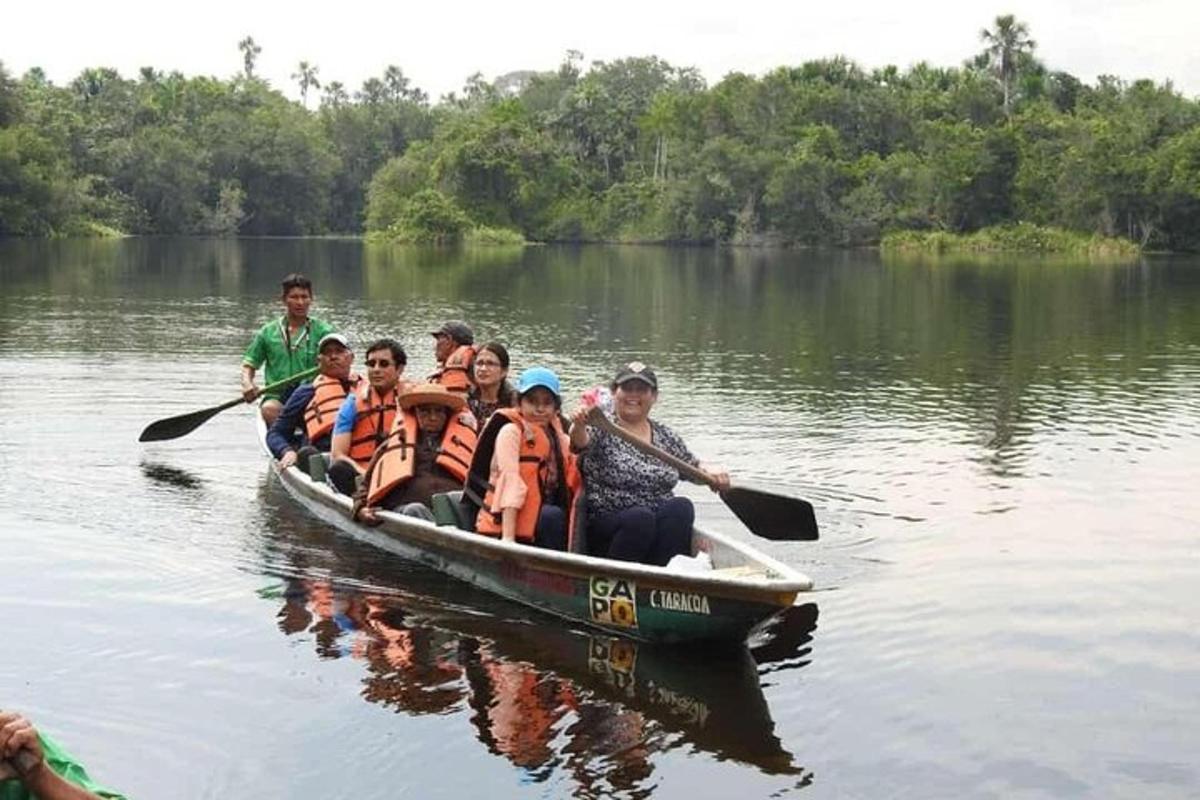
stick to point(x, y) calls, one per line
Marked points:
point(523, 476)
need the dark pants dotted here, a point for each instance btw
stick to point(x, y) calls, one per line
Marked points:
point(343, 476)
point(639, 534)
point(551, 530)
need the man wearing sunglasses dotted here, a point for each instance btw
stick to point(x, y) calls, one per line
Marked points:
point(366, 416)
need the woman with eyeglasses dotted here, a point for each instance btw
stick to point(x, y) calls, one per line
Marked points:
point(632, 512)
point(491, 389)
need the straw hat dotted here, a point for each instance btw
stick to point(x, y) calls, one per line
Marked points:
point(431, 394)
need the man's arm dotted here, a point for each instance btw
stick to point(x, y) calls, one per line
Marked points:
point(250, 392)
point(253, 358)
point(17, 737)
point(281, 437)
point(343, 431)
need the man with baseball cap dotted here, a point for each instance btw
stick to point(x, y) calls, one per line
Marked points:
point(454, 349)
point(306, 421)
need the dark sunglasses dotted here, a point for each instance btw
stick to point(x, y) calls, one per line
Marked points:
point(379, 362)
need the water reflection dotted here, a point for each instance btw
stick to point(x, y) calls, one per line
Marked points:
point(550, 700)
point(170, 476)
point(543, 697)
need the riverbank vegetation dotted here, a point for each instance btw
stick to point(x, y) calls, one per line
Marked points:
point(1021, 238)
point(824, 153)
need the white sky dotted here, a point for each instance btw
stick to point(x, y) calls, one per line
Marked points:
point(438, 44)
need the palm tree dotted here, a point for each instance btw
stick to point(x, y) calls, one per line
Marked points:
point(373, 91)
point(1005, 47)
point(250, 52)
point(396, 82)
point(307, 78)
point(335, 95)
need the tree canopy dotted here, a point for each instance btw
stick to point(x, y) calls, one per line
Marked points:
point(635, 149)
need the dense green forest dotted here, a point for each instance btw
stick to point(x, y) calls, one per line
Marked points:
point(629, 150)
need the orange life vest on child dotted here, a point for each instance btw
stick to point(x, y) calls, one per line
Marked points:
point(536, 452)
point(455, 372)
point(372, 422)
point(328, 396)
point(397, 457)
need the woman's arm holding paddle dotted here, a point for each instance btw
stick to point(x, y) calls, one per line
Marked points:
point(766, 514)
point(579, 431)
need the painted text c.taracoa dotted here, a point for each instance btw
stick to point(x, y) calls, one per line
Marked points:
point(679, 601)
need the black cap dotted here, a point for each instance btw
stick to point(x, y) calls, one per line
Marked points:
point(457, 330)
point(636, 371)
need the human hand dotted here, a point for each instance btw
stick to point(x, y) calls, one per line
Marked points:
point(579, 415)
point(287, 459)
point(720, 479)
point(20, 748)
point(597, 396)
point(250, 392)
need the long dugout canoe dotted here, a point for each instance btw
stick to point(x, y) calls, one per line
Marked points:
point(744, 591)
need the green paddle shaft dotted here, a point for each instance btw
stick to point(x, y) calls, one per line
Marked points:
point(182, 425)
point(299, 376)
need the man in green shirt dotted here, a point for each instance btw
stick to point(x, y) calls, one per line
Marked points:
point(35, 767)
point(287, 345)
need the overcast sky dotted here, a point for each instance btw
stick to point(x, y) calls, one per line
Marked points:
point(438, 44)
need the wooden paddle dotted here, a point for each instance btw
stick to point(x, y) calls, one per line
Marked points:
point(771, 516)
point(174, 427)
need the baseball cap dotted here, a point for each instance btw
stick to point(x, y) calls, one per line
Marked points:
point(539, 376)
point(332, 337)
point(457, 330)
point(636, 371)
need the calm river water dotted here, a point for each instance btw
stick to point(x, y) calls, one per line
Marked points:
point(1003, 456)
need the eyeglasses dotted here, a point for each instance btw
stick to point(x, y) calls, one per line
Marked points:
point(379, 362)
point(490, 364)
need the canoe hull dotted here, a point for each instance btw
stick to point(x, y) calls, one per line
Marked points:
point(635, 600)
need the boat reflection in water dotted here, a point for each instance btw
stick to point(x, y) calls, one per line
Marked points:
point(547, 698)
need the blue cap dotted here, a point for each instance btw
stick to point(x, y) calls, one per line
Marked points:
point(539, 376)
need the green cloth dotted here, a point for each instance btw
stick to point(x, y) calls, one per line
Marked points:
point(284, 355)
point(62, 763)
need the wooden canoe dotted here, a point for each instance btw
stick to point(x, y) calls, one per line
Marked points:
point(744, 591)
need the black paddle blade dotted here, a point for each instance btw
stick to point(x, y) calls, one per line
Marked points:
point(174, 427)
point(772, 516)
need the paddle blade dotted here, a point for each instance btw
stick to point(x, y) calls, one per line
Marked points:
point(772, 516)
point(182, 425)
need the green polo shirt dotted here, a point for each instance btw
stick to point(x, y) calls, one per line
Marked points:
point(62, 763)
point(285, 355)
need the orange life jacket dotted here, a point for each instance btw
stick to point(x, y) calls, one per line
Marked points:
point(523, 710)
point(397, 457)
point(536, 452)
point(455, 372)
point(372, 422)
point(328, 395)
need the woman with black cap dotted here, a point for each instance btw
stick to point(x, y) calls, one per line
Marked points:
point(632, 513)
